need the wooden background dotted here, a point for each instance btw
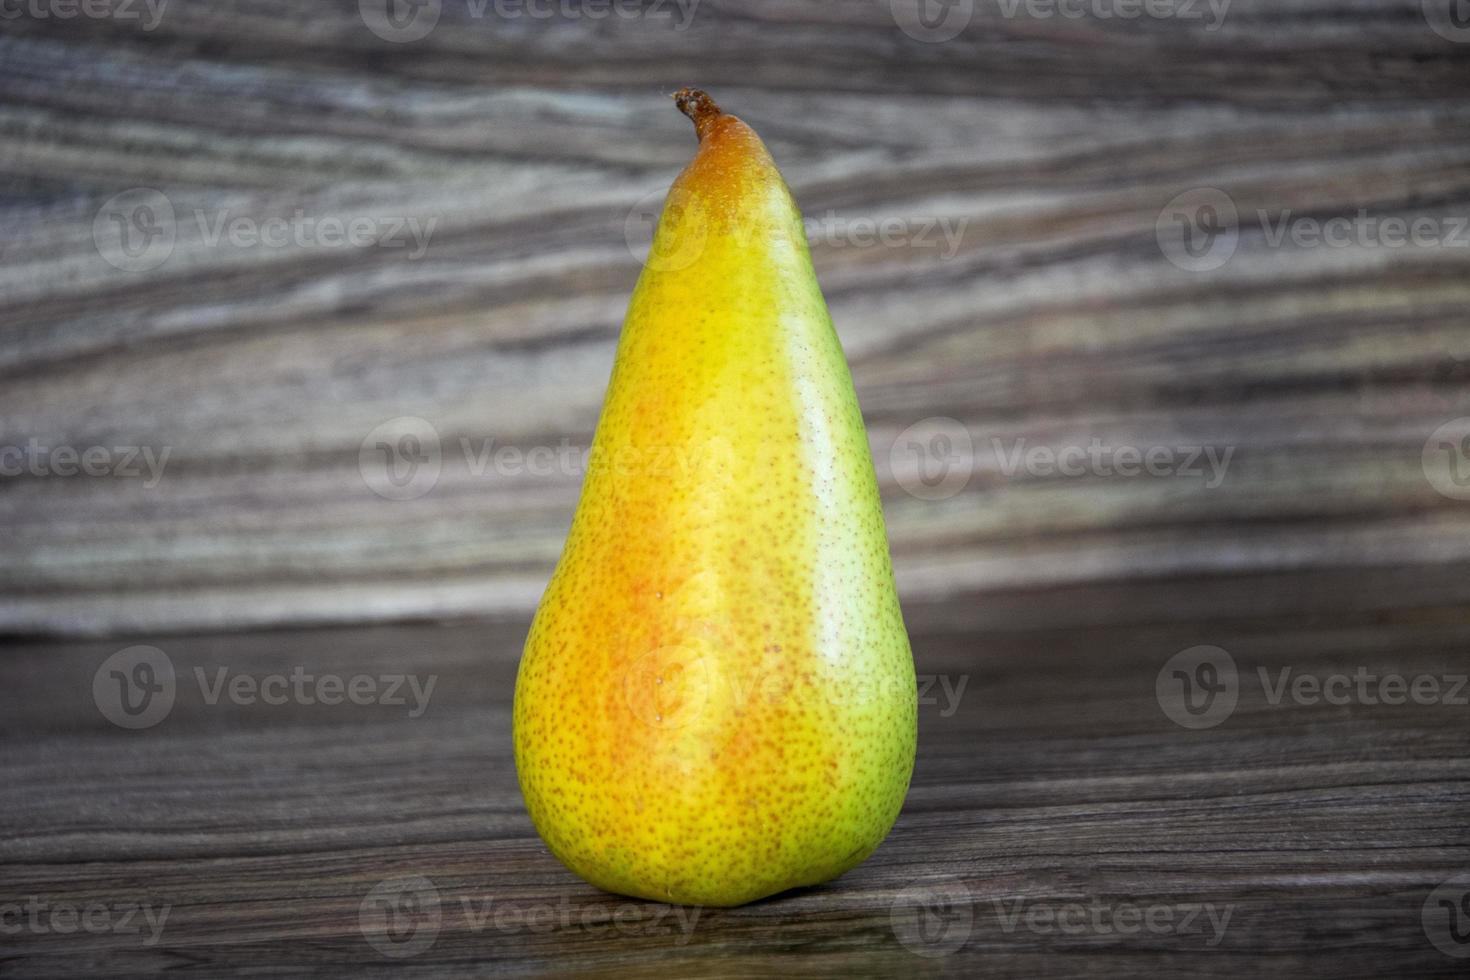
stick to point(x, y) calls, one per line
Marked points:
point(538, 147)
point(1055, 319)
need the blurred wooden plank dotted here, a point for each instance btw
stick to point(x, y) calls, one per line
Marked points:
point(1025, 165)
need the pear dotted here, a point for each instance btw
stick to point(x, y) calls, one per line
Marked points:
point(717, 699)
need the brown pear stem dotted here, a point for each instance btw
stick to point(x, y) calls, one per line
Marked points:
point(699, 107)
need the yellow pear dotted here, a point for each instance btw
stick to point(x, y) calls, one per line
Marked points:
point(717, 698)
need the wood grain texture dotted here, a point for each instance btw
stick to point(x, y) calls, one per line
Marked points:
point(532, 147)
point(1048, 780)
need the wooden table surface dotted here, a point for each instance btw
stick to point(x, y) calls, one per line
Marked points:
point(1059, 823)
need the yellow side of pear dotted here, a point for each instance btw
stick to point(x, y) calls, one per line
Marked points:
point(717, 698)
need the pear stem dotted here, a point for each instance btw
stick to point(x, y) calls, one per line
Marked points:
point(699, 107)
